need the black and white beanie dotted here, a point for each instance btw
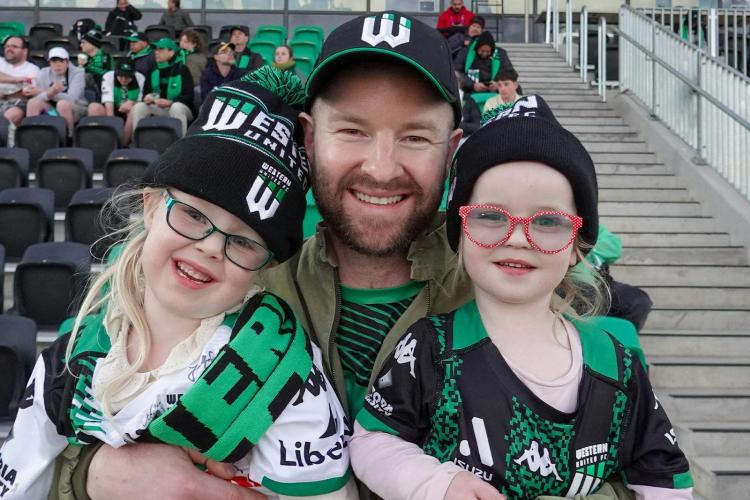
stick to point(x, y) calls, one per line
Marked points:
point(526, 131)
point(245, 154)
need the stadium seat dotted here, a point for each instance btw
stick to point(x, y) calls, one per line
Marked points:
point(14, 28)
point(305, 49)
point(40, 133)
point(61, 41)
point(156, 32)
point(4, 125)
point(83, 223)
point(304, 66)
point(206, 33)
point(157, 133)
point(65, 171)
point(305, 33)
point(14, 167)
point(2, 279)
point(100, 134)
point(264, 48)
point(17, 358)
point(124, 165)
point(26, 217)
point(41, 32)
point(50, 280)
point(271, 33)
point(39, 58)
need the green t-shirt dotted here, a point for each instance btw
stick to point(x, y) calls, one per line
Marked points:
point(367, 315)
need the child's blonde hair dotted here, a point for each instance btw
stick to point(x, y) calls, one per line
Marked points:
point(121, 283)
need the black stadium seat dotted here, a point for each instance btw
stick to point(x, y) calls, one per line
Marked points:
point(65, 171)
point(4, 124)
point(157, 133)
point(14, 167)
point(40, 133)
point(50, 280)
point(156, 32)
point(100, 134)
point(2, 280)
point(41, 32)
point(17, 357)
point(124, 165)
point(83, 223)
point(61, 41)
point(26, 217)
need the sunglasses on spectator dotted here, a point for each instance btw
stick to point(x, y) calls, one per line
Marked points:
point(548, 231)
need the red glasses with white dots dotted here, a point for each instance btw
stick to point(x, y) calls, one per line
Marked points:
point(548, 231)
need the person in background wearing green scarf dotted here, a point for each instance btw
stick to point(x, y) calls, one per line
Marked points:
point(95, 61)
point(283, 59)
point(247, 60)
point(191, 53)
point(121, 90)
point(168, 90)
point(141, 53)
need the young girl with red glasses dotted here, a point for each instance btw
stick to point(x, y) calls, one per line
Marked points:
point(176, 342)
point(516, 394)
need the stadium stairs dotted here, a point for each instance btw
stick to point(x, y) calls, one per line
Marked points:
point(697, 337)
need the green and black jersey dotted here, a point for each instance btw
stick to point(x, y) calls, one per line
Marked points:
point(367, 315)
point(448, 389)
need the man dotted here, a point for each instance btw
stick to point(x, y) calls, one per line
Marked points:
point(168, 90)
point(95, 61)
point(455, 16)
point(507, 89)
point(15, 72)
point(60, 87)
point(220, 70)
point(121, 90)
point(380, 131)
point(460, 41)
point(141, 53)
point(247, 60)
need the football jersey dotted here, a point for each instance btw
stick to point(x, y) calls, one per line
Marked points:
point(448, 389)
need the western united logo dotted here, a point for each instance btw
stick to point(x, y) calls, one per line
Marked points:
point(590, 469)
point(385, 34)
point(227, 114)
point(267, 191)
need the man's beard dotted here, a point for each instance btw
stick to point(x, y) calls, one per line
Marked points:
point(363, 237)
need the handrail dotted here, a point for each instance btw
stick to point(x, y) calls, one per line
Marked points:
point(602, 55)
point(583, 44)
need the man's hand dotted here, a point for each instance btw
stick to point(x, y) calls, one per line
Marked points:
point(149, 99)
point(480, 87)
point(55, 89)
point(163, 103)
point(160, 472)
point(31, 91)
point(126, 107)
point(467, 486)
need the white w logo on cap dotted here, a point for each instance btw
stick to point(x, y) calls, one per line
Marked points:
point(386, 31)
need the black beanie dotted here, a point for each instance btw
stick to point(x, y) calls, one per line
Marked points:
point(244, 153)
point(527, 131)
point(485, 38)
point(94, 37)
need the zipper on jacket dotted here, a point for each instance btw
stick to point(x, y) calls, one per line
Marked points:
point(335, 327)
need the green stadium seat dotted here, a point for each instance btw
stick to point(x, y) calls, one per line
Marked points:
point(14, 28)
point(307, 50)
point(271, 33)
point(313, 34)
point(304, 65)
point(264, 48)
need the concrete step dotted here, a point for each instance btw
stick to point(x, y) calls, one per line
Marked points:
point(586, 97)
point(624, 157)
point(667, 241)
point(699, 372)
point(644, 181)
point(676, 275)
point(718, 405)
point(695, 343)
point(599, 129)
point(622, 137)
point(667, 209)
point(720, 478)
point(584, 113)
point(571, 94)
point(542, 88)
point(582, 104)
point(615, 147)
point(732, 256)
point(654, 195)
point(567, 121)
point(672, 318)
point(633, 169)
point(707, 438)
point(657, 225)
point(699, 296)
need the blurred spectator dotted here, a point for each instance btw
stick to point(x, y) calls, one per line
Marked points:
point(121, 19)
point(175, 17)
point(246, 59)
point(191, 53)
point(460, 41)
point(507, 88)
point(121, 90)
point(95, 61)
point(59, 89)
point(141, 53)
point(455, 16)
point(221, 69)
point(168, 90)
point(81, 27)
point(283, 59)
point(470, 114)
point(15, 73)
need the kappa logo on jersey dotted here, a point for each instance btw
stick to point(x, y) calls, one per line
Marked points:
point(385, 34)
point(267, 191)
point(405, 352)
point(538, 463)
point(315, 384)
point(227, 114)
point(590, 462)
point(379, 403)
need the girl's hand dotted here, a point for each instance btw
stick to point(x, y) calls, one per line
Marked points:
point(467, 486)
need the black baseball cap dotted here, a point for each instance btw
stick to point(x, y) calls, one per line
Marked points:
point(137, 36)
point(124, 67)
point(240, 27)
point(389, 35)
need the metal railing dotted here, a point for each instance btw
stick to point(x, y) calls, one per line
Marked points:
point(704, 101)
point(724, 32)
